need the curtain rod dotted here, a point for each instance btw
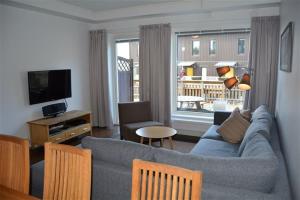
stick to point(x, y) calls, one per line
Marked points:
point(219, 31)
point(128, 40)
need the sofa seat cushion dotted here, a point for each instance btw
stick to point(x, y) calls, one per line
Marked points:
point(119, 152)
point(212, 133)
point(213, 191)
point(110, 181)
point(209, 147)
point(256, 174)
point(137, 125)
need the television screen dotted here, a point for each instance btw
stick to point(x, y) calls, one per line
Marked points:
point(49, 85)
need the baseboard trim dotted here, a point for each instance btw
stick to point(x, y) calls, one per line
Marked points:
point(186, 138)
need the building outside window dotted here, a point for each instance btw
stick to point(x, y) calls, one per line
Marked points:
point(241, 46)
point(212, 47)
point(196, 48)
point(127, 57)
point(198, 89)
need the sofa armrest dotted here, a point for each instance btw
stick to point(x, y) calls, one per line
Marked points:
point(220, 117)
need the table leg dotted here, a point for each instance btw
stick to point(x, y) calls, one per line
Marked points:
point(150, 141)
point(171, 142)
point(142, 140)
point(161, 142)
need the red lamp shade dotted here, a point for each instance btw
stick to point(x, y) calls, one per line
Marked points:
point(245, 82)
point(230, 82)
point(222, 70)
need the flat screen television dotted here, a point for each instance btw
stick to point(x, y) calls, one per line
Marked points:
point(49, 85)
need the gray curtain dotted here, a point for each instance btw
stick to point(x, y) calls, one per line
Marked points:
point(154, 61)
point(263, 62)
point(100, 103)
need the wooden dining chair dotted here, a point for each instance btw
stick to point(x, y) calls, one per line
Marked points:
point(164, 182)
point(67, 172)
point(14, 163)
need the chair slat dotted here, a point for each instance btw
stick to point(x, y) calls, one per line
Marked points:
point(187, 190)
point(150, 184)
point(156, 174)
point(65, 167)
point(181, 187)
point(162, 186)
point(174, 187)
point(144, 186)
point(168, 189)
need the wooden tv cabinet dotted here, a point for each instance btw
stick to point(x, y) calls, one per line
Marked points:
point(59, 129)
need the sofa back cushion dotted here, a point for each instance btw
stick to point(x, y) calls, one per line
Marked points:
point(259, 147)
point(262, 122)
point(244, 172)
point(118, 152)
point(262, 112)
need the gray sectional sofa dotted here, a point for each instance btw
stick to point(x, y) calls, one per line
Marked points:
point(254, 169)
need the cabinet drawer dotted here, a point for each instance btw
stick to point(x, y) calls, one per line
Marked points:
point(57, 138)
point(78, 130)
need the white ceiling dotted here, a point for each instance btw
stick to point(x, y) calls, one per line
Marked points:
point(98, 11)
point(103, 5)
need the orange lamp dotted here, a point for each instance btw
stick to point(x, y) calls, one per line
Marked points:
point(222, 70)
point(245, 82)
point(230, 82)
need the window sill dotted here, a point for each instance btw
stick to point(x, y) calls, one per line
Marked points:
point(193, 117)
point(192, 124)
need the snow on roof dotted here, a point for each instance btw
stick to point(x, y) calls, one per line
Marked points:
point(226, 63)
point(185, 64)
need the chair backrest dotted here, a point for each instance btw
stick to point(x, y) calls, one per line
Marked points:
point(14, 159)
point(67, 172)
point(134, 112)
point(164, 182)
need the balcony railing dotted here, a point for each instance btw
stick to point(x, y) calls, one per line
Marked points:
point(210, 91)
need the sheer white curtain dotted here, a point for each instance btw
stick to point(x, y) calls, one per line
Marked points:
point(100, 104)
point(154, 59)
point(263, 61)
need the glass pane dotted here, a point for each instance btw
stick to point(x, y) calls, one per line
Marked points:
point(196, 48)
point(127, 53)
point(241, 46)
point(199, 89)
point(212, 47)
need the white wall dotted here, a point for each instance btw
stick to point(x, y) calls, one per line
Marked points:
point(1, 61)
point(36, 41)
point(288, 98)
point(230, 19)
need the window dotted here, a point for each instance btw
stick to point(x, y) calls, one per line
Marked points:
point(212, 47)
point(196, 48)
point(127, 56)
point(198, 89)
point(241, 46)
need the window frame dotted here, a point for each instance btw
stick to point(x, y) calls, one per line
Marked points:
point(198, 54)
point(210, 51)
point(238, 47)
point(187, 116)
